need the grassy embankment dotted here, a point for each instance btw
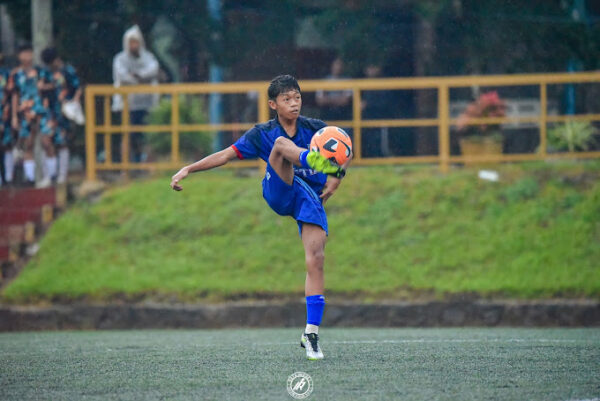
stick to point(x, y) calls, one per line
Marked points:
point(394, 233)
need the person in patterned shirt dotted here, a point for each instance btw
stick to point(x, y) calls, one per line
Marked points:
point(6, 134)
point(29, 113)
point(65, 87)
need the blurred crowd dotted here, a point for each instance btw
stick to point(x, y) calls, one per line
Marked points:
point(375, 104)
point(37, 102)
point(40, 105)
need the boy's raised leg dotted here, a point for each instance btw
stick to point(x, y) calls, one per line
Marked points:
point(282, 158)
point(285, 154)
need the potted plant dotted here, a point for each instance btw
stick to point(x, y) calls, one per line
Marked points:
point(571, 136)
point(481, 139)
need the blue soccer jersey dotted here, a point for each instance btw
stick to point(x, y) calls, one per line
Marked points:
point(258, 143)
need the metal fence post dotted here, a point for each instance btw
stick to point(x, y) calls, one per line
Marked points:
point(175, 128)
point(444, 127)
point(90, 135)
point(356, 123)
point(125, 135)
point(263, 116)
point(107, 132)
point(543, 118)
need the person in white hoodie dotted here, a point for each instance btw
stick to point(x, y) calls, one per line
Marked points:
point(135, 66)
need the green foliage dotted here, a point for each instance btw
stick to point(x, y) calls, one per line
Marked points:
point(497, 36)
point(193, 145)
point(468, 37)
point(572, 136)
point(352, 31)
point(429, 10)
point(394, 233)
point(259, 36)
point(523, 189)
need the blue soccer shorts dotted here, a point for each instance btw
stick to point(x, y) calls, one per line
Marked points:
point(298, 200)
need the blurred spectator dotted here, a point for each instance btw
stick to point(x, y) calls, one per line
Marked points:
point(65, 88)
point(29, 116)
point(133, 66)
point(6, 135)
point(335, 105)
point(375, 106)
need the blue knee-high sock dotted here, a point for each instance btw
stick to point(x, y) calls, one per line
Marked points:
point(314, 309)
point(302, 159)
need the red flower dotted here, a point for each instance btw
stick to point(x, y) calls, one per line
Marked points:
point(488, 104)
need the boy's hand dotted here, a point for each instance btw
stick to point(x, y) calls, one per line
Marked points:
point(330, 187)
point(181, 174)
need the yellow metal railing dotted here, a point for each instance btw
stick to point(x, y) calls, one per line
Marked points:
point(443, 121)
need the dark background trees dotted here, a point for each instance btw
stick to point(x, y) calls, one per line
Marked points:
point(258, 39)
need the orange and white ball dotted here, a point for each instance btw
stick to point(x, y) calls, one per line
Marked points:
point(333, 143)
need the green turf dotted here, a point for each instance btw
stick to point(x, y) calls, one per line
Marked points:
point(360, 364)
point(394, 232)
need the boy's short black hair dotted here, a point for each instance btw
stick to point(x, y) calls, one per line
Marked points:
point(49, 54)
point(282, 84)
point(26, 47)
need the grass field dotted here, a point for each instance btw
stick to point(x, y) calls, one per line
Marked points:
point(395, 232)
point(360, 364)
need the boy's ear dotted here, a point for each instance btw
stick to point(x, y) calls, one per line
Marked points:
point(272, 104)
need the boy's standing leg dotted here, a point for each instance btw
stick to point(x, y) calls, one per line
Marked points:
point(283, 155)
point(314, 239)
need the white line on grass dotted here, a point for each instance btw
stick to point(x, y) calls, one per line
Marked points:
point(493, 340)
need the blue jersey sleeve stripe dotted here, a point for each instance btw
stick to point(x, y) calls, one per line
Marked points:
point(237, 152)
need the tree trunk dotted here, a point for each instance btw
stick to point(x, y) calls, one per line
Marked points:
point(41, 33)
point(425, 100)
point(41, 26)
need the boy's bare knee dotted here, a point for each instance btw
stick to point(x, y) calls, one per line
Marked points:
point(279, 144)
point(315, 259)
point(276, 150)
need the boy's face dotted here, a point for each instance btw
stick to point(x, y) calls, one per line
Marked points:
point(26, 58)
point(287, 104)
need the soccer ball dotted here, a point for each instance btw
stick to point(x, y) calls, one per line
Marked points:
point(333, 143)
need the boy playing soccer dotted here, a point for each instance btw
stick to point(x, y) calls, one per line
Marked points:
point(297, 182)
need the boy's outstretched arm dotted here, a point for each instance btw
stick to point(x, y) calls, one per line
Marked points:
point(215, 160)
